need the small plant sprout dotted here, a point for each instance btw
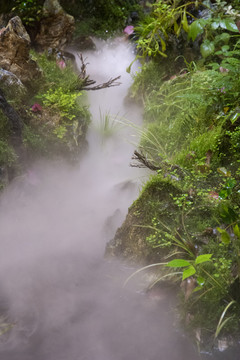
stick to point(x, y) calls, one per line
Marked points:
point(190, 267)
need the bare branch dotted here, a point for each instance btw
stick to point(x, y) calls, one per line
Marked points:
point(109, 83)
point(88, 82)
point(143, 162)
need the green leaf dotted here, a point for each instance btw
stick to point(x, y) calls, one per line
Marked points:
point(225, 237)
point(188, 272)
point(203, 258)
point(207, 48)
point(163, 44)
point(225, 48)
point(195, 29)
point(184, 21)
point(229, 24)
point(236, 231)
point(224, 37)
point(178, 263)
point(223, 194)
point(200, 280)
point(215, 24)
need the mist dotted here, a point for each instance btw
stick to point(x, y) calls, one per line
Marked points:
point(63, 299)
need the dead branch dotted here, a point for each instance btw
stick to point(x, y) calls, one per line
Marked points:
point(86, 82)
point(143, 162)
point(109, 83)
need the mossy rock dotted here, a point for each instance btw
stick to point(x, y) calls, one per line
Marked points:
point(130, 242)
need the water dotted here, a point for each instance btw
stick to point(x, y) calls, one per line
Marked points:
point(64, 300)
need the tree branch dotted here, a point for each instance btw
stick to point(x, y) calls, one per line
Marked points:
point(88, 82)
point(143, 162)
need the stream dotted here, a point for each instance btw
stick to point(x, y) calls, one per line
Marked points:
point(62, 299)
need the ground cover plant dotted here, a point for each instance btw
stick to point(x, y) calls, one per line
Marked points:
point(191, 137)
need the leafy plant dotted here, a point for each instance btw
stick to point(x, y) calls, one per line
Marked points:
point(30, 11)
point(216, 30)
point(164, 19)
point(190, 267)
point(61, 100)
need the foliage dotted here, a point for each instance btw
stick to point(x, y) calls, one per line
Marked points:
point(62, 100)
point(102, 18)
point(192, 127)
point(216, 29)
point(53, 76)
point(164, 19)
point(61, 123)
point(30, 11)
point(190, 267)
point(190, 114)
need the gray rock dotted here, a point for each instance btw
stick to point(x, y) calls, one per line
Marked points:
point(56, 27)
point(11, 84)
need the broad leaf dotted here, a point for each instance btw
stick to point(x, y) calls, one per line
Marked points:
point(225, 237)
point(207, 48)
point(195, 29)
point(215, 24)
point(188, 272)
point(178, 263)
point(229, 24)
point(203, 258)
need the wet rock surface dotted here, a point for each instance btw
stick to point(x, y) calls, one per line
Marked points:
point(14, 52)
point(11, 83)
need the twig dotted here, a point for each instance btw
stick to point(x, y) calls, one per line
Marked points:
point(88, 82)
point(109, 83)
point(143, 162)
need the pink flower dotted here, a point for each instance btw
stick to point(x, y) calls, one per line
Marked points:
point(36, 108)
point(61, 64)
point(129, 30)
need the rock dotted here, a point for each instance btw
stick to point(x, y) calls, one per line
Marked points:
point(14, 52)
point(83, 43)
point(56, 27)
point(130, 241)
point(11, 84)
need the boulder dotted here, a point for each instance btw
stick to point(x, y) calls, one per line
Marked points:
point(11, 84)
point(130, 241)
point(14, 52)
point(56, 27)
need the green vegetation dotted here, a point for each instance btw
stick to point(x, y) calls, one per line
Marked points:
point(101, 18)
point(30, 11)
point(55, 117)
point(63, 117)
point(191, 133)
